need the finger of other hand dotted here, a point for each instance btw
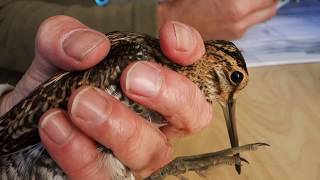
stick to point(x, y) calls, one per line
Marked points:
point(236, 29)
point(237, 10)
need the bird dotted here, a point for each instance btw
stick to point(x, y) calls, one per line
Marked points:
point(220, 73)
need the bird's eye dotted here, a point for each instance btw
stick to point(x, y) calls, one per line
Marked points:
point(236, 77)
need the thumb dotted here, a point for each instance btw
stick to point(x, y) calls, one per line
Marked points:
point(62, 43)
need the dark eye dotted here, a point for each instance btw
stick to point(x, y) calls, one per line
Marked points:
point(236, 77)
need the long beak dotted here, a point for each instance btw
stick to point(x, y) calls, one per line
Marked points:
point(229, 110)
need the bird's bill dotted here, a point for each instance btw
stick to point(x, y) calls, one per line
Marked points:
point(229, 110)
point(229, 114)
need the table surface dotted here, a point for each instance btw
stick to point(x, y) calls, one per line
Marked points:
point(279, 106)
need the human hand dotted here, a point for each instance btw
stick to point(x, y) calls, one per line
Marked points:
point(217, 19)
point(63, 43)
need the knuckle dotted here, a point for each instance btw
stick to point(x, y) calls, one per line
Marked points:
point(51, 29)
point(238, 30)
point(199, 113)
point(207, 114)
point(50, 23)
point(89, 169)
point(189, 109)
point(163, 158)
point(188, 130)
point(158, 160)
point(237, 12)
point(128, 138)
point(134, 136)
point(200, 123)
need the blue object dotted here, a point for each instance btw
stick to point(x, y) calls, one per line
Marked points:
point(102, 2)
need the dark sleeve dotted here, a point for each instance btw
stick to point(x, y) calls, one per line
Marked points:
point(20, 19)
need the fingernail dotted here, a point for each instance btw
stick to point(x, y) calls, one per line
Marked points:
point(79, 43)
point(56, 127)
point(143, 79)
point(91, 105)
point(185, 38)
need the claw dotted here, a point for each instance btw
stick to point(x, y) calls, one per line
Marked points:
point(201, 173)
point(182, 177)
point(238, 168)
point(238, 163)
point(244, 160)
point(263, 144)
point(257, 145)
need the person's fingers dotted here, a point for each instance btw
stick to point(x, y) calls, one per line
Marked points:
point(64, 141)
point(181, 43)
point(258, 16)
point(235, 29)
point(62, 43)
point(136, 142)
point(237, 10)
point(68, 44)
point(171, 94)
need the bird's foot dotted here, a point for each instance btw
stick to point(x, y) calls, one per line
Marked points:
point(201, 163)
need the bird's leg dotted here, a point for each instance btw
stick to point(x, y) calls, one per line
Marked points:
point(202, 162)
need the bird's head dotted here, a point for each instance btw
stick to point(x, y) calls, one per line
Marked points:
point(220, 74)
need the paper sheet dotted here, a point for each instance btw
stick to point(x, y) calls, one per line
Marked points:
point(293, 36)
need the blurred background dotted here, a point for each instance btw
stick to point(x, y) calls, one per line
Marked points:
point(293, 36)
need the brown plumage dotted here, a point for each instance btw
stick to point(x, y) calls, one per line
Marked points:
point(220, 73)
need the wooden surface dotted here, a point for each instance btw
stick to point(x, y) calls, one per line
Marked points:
point(280, 106)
